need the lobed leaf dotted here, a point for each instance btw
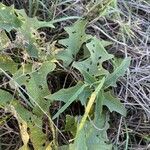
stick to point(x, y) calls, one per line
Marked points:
point(35, 83)
point(8, 18)
point(93, 64)
point(120, 71)
point(73, 97)
point(113, 103)
point(33, 23)
point(64, 94)
point(73, 43)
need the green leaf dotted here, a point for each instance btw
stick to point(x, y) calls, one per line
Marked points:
point(32, 22)
point(7, 64)
point(71, 124)
point(5, 98)
point(83, 97)
point(98, 55)
point(93, 139)
point(120, 71)
point(113, 103)
point(35, 83)
point(116, 62)
point(67, 95)
point(64, 147)
point(8, 18)
point(4, 40)
point(73, 44)
point(32, 50)
point(31, 25)
point(106, 43)
point(38, 138)
point(70, 100)
point(64, 94)
point(80, 142)
point(88, 77)
point(11, 18)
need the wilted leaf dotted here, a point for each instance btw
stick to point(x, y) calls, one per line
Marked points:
point(24, 134)
point(37, 137)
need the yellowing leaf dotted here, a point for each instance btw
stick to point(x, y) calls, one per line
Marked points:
point(38, 138)
point(24, 134)
point(49, 147)
point(23, 127)
point(54, 49)
point(90, 104)
point(34, 123)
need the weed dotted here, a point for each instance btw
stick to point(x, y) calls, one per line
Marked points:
point(32, 70)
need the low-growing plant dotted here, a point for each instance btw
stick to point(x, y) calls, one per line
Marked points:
point(26, 94)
